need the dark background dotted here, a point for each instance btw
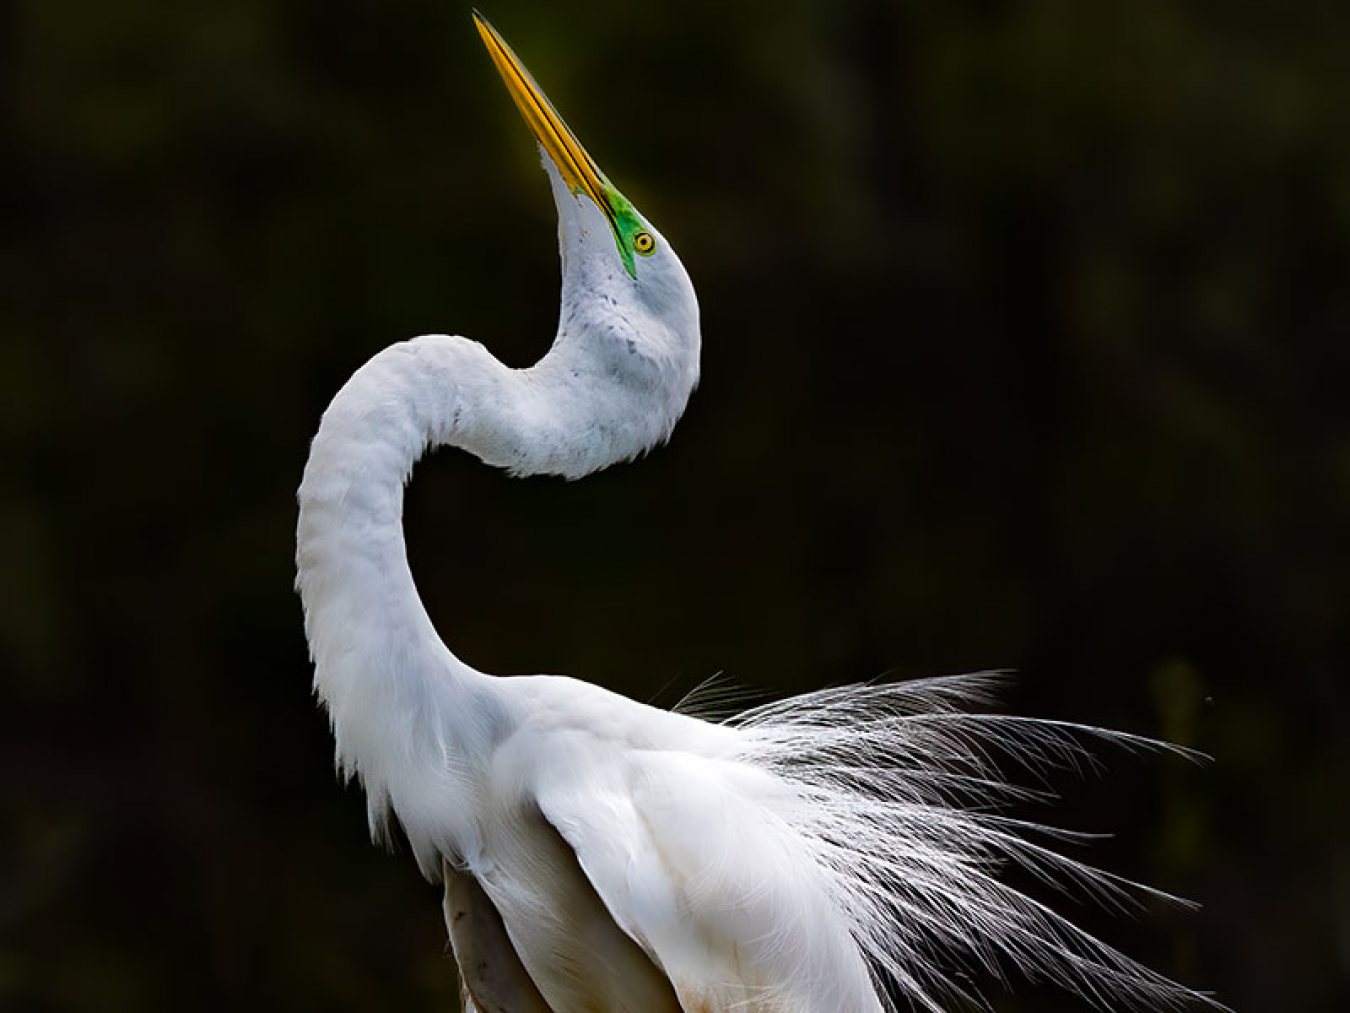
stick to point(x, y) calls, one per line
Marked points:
point(1026, 346)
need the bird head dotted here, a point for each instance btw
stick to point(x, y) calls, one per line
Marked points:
point(629, 307)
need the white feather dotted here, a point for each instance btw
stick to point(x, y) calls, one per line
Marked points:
point(838, 851)
point(900, 792)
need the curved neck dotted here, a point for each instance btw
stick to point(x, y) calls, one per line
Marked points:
point(380, 668)
point(395, 694)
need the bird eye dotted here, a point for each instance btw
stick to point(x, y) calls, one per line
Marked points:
point(644, 243)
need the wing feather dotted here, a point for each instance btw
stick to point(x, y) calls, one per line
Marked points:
point(694, 865)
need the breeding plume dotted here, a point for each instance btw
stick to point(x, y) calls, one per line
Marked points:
point(838, 852)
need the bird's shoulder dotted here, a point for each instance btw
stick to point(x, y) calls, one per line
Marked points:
point(565, 711)
point(681, 837)
point(578, 746)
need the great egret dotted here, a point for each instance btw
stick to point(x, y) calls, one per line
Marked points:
point(837, 851)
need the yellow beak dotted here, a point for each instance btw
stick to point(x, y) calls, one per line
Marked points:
point(577, 168)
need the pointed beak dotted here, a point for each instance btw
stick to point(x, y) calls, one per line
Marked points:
point(576, 167)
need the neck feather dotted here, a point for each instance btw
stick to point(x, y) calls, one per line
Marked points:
point(406, 713)
point(394, 692)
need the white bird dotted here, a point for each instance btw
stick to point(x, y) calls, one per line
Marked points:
point(838, 851)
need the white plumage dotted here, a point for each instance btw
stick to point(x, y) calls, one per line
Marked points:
point(833, 852)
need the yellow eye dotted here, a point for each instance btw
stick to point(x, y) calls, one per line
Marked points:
point(644, 243)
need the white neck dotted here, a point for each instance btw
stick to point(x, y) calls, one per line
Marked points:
point(403, 708)
point(380, 668)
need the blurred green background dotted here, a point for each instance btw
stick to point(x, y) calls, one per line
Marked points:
point(1026, 346)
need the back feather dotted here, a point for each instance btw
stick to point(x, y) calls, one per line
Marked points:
point(905, 809)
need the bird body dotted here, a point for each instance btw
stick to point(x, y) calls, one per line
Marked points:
point(602, 854)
